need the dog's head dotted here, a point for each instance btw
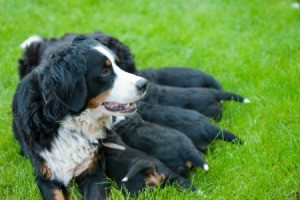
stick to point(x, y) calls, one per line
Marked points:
point(86, 75)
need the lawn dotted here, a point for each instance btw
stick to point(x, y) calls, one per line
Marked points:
point(251, 47)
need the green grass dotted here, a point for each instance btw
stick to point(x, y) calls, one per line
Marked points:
point(251, 47)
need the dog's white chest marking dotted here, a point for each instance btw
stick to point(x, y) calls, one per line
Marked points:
point(74, 148)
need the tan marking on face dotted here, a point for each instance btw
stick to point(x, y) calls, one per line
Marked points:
point(107, 63)
point(46, 172)
point(58, 195)
point(153, 177)
point(188, 164)
point(95, 102)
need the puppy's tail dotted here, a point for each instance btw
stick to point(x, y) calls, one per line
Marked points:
point(197, 159)
point(211, 82)
point(138, 167)
point(229, 96)
point(215, 132)
point(31, 55)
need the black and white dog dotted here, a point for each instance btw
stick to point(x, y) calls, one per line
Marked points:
point(204, 100)
point(61, 111)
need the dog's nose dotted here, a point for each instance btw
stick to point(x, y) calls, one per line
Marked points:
point(141, 85)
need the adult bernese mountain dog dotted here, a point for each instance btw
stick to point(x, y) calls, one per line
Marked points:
point(63, 107)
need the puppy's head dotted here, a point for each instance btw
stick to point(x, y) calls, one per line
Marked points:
point(86, 75)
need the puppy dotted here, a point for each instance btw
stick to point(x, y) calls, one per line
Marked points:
point(135, 169)
point(193, 124)
point(179, 77)
point(61, 110)
point(38, 48)
point(168, 145)
point(204, 100)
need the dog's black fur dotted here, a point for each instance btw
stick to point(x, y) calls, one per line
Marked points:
point(180, 77)
point(204, 100)
point(168, 145)
point(38, 51)
point(192, 123)
point(137, 167)
point(60, 87)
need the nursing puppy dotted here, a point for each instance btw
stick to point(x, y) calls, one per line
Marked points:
point(179, 77)
point(204, 100)
point(168, 145)
point(193, 124)
point(63, 108)
point(135, 169)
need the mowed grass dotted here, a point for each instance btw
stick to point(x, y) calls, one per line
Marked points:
point(251, 47)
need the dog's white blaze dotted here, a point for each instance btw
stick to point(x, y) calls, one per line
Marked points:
point(30, 40)
point(75, 146)
point(124, 89)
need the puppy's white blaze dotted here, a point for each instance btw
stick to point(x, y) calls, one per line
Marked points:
point(246, 101)
point(30, 40)
point(124, 89)
point(205, 167)
point(125, 179)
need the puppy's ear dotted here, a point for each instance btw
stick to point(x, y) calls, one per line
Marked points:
point(63, 83)
point(79, 38)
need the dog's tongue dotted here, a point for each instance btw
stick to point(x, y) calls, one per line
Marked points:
point(111, 104)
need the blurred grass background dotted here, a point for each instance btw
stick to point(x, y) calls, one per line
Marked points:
point(251, 47)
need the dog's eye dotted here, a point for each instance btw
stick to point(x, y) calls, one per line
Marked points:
point(105, 72)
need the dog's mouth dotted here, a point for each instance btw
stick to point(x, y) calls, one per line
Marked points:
point(118, 107)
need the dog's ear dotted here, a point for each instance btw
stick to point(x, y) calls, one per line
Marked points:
point(63, 83)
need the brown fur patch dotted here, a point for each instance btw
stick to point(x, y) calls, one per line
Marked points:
point(46, 172)
point(107, 63)
point(94, 161)
point(153, 177)
point(94, 102)
point(188, 164)
point(58, 195)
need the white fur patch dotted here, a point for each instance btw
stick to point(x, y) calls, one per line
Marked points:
point(30, 40)
point(113, 145)
point(125, 88)
point(206, 167)
point(75, 146)
point(246, 101)
point(296, 5)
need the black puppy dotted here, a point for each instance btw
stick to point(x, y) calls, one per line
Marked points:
point(204, 100)
point(192, 123)
point(168, 145)
point(180, 77)
point(135, 169)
